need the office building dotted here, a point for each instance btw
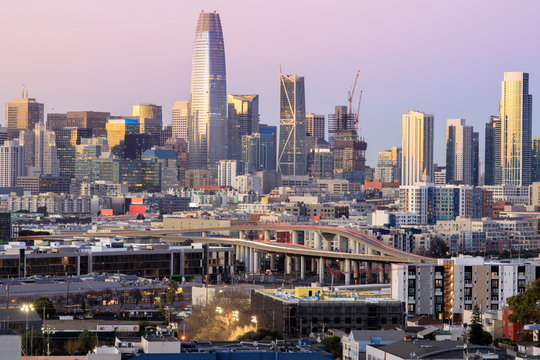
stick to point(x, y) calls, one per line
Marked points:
point(12, 163)
point(94, 120)
point(3, 134)
point(40, 150)
point(248, 183)
point(165, 134)
point(492, 156)
point(180, 120)
point(389, 165)
point(515, 112)
point(417, 147)
point(459, 152)
point(476, 159)
point(243, 119)
point(268, 141)
point(23, 114)
point(180, 147)
point(56, 121)
point(315, 125)
point(208, 104)
point(292, 156)
point(67, 140)
point(349, 156)
point(168, 162)
point(536, 159)
point(339, 121)
point(228, 170)
point(133, 146)
point(150, 121)
point(301, 311)
point(253, 154)
point(88, 149)
point(197, 178)
point(5, 227)
point(118, 128)
point(320, 158)
point(44, 184)
point(140, 175)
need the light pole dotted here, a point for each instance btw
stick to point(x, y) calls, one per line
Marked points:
point(27, 308)
point(48, 329)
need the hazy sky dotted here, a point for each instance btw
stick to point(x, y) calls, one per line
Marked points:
point(444, 57)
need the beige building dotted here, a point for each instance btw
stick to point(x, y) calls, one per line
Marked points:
point(315, 125)
point(417, 147)
point(196, 178)
point(180, 120)
point(88, 120)
point(23, 114)
point(118, 128)
point(150, 118)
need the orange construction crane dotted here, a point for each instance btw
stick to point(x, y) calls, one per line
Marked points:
point(358, 110)
point(351, 92)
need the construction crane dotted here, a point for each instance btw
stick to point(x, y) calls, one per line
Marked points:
point(351, 92)
point(358, 110)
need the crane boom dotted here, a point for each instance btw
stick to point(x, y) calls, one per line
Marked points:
point(358, 110)
point(351, 92)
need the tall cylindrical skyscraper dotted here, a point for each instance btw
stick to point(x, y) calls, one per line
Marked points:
point(208, 121)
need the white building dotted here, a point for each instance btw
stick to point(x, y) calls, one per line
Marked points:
point(228, 170)
point(247, 183)
point(12, 163)
point(10, 346)
point(40, 150)
point(513, 194)
point(415, 199)
point(354, 344)
point(417, 147)
point(180, 120)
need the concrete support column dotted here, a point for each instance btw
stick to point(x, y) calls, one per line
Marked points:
point(369, 271)
point(272, 261)
point(288, 264)
point(321, 271)
point(256, 261)
point(342, 243)
point(266, 235)
point(302, 267)
point(296, 264)
point(242, 234)
point(355, 270)
point(313, 265)
point(205, 234)
point(318, 240)
point(380, 273)
point(347, 272)
point(248, 259)
point(295, 236)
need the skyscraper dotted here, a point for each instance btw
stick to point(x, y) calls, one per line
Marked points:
point(459, 152)
point(66, 141)
point(292, 159)
point(208, 120)
point(243, 119)
point(23, 114)
point(536, 159)
point(315, 125)
point(339, 121)
point(180, 120)
point(150, 121)
point(476, 159)
point(417, 147)
point(389, 165)
point(40, 150)
point(94, 120)
point(492, 156)
point(12, 163)
point(118, 128)
point(515, 112)
point(268, 138)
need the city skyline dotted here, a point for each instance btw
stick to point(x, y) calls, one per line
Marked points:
point(132, 79)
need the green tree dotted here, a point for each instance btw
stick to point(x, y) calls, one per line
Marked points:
point(87, 341)
point(332, 344)
point(33, 343)
point(477, 335)
point(524, 305)
point(438, 248)
point(171, 295)
point(43, 305)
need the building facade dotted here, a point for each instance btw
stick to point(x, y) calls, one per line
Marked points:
point(315, 125)
point(12, 163)
point(243, 119)
point(180, 120)
point(417, 147)
point(23, 114)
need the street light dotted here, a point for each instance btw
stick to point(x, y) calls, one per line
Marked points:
point(254, 320)
point(48, 329)
point(27, 308)
point(219, 310)
point(235, 315)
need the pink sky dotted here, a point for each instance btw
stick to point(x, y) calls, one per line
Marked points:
point(445, 57)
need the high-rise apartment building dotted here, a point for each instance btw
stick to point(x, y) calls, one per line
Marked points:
point(536, 159)
point(243, 119)
point(417, 147)
point(315, 125)
point(12, 163)
point(228, 170)
point(292, 157)
point(476, 159)
point(118, 128)
point(180, 120)
point(515, 112)
point(208, 104)
point(40, 150)
point(492, 155)
point(389, 165)
point(23, 114)
point(459, 152)
point(94, 120)
point(339, 121)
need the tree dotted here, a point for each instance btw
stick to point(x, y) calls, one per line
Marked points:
point(86, 341)
point(477, 335)
point(33, 343)
point(71, 346)
point(332, 344)
point(438, 248)
point(524, 305)
point(260, 334)
point(44, 305)
point(171, 295)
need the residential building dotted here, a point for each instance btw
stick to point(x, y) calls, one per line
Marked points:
point(476, 159)
point(509, 193)
point(208, 104)
point(248, 183)
point(320, 158)
point(492, 157)
point(439, 176)
point(180, 120)
point(228, 170)
point(315, 126)
point(12, 163)
point(23, 114)
point(292, 156)
point(515, 112)
point(389, 165)
point(354, 344)
point(417, 147)
point(459, 152)
point(243, 119)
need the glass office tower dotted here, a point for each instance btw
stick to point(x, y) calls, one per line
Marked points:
point(292, 159)
point(243, 119)
point(515, 112)
point(208, 122)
